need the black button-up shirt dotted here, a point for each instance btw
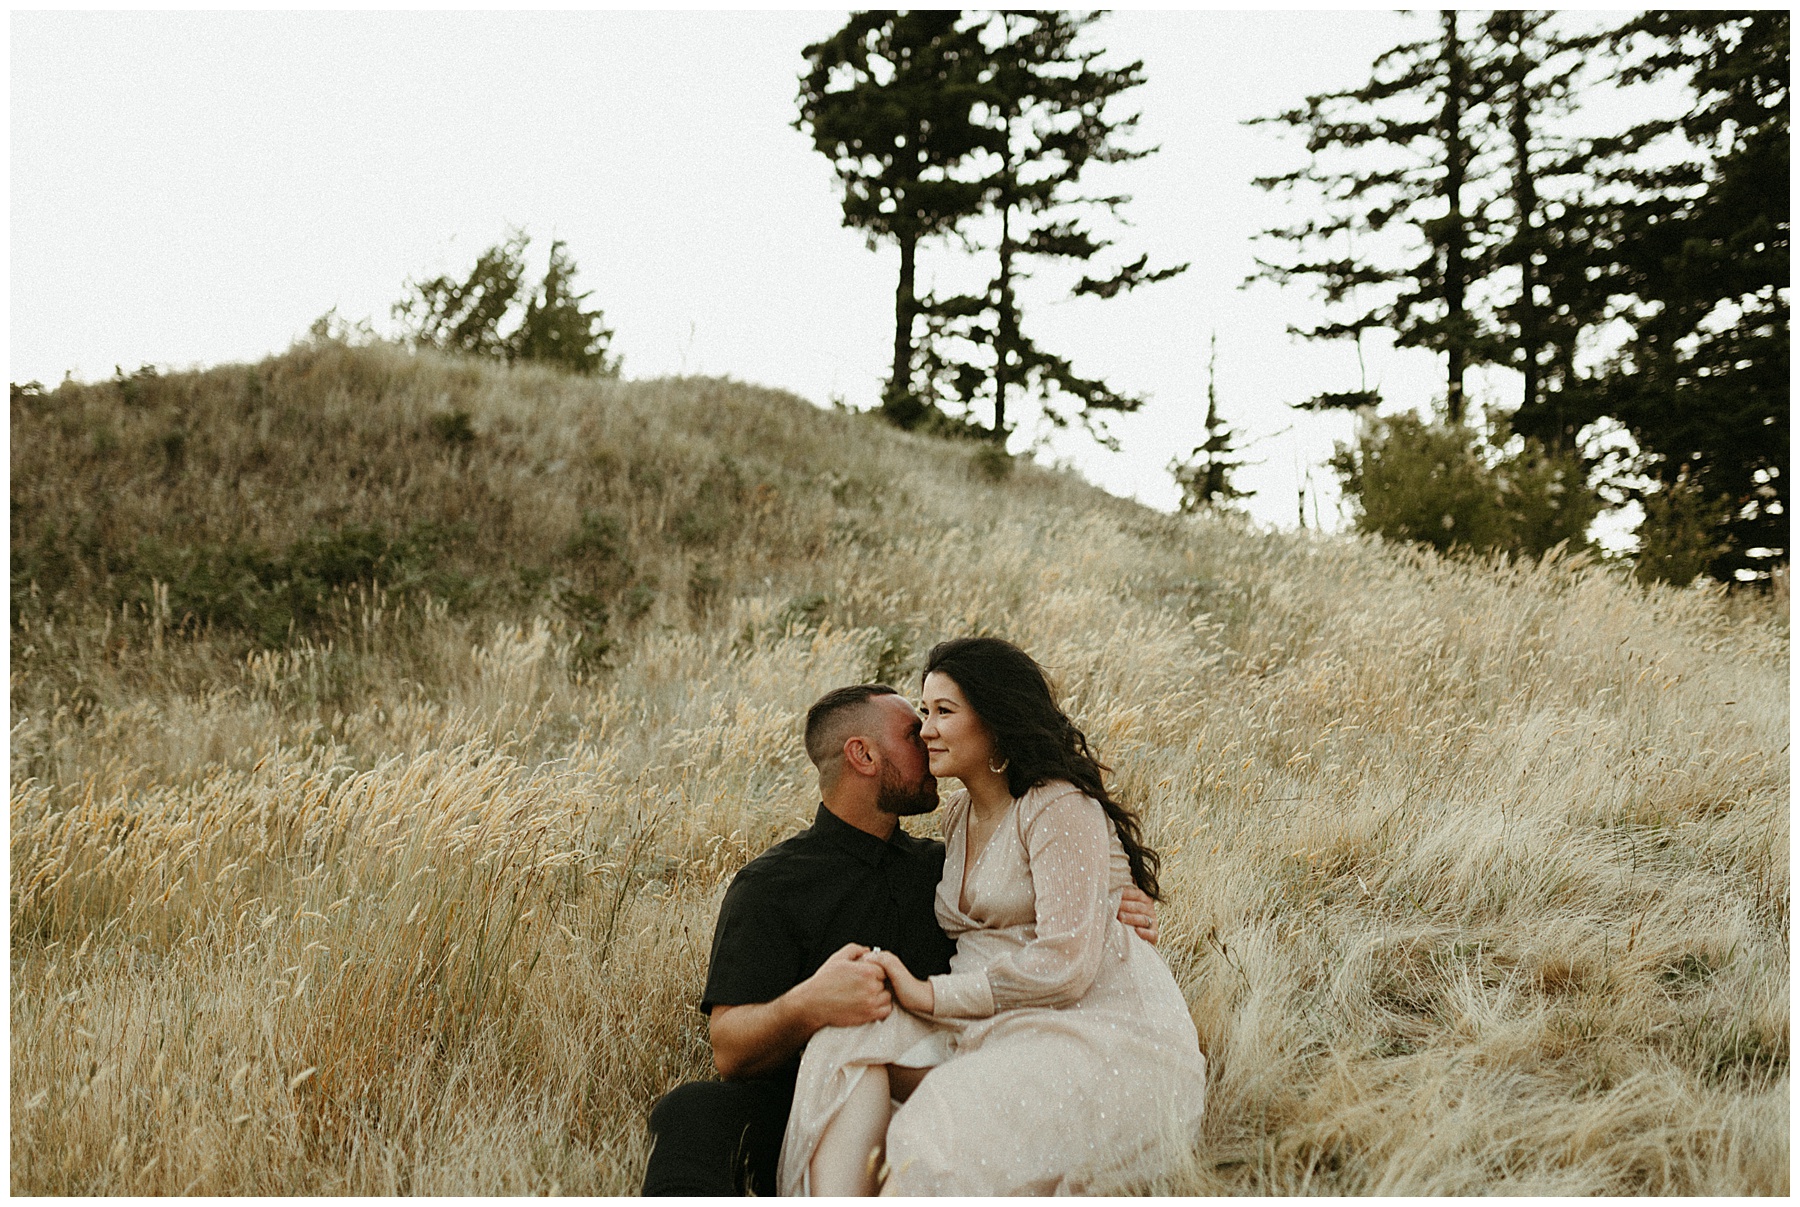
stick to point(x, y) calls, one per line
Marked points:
point(802, 899)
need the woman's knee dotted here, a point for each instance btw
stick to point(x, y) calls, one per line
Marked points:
point(917, 1161)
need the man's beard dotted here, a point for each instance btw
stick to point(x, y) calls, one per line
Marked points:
point(903, 800)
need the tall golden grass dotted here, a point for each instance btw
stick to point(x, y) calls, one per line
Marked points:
point(1476, 874)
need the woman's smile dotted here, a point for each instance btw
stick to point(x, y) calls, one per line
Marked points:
point(957, 744)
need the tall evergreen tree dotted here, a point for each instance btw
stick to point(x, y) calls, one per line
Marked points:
point(888, 99)
point(1698, 247)
point(1048, 104)
point(1542, 248)
point(1528, 75)
point(1558, 211)
point(1451, 233)
point(1398, 152)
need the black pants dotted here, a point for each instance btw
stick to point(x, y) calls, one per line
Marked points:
point(718, 1137)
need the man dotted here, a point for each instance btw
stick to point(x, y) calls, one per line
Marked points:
point(786, 956)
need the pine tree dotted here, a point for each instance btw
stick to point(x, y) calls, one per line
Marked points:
point(888, 99)
point(1047, 102)
point(1529, 76)
point(1541, 247)
point(1400, 151)
point(1552, 231)
point(1698, 248)
point(1205, 475)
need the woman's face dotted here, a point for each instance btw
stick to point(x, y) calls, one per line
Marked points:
point(956, 741)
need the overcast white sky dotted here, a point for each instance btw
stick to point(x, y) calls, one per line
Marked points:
point(194, 188)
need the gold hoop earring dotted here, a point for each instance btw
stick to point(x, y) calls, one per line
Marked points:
point(1004, 764)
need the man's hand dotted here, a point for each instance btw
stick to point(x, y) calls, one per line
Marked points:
point(916, 995)
point(1137, 911)
point(845, 991)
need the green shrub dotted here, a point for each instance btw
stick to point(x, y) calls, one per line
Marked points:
point(1682, 533)
point(174, 448)
point(139, 388)
point(802, 613)
point(704, 588)
point(992, 462)
point(453, 428)
point(889, 654)
point(548, 323)
point(592, 621)
point(601, 536)
point(714, 507)
point(1447, 486)
point(273, 595)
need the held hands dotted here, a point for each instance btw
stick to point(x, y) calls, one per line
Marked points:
point(860, 984)
point(852, 980)
point(912, 993)
point(847, 990)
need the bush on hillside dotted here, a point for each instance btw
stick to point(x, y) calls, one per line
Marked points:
point(241, 586)
point(549, 322)
point(1683, 532)
point(1445, 486)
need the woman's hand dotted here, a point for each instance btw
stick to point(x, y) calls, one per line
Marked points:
point(912, 993)
point(1137, 911)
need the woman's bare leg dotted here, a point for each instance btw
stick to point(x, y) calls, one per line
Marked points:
point(854, 1141)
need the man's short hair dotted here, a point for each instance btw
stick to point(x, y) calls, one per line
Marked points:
point(830, 719)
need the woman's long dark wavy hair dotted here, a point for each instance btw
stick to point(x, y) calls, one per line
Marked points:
point(1011, 694)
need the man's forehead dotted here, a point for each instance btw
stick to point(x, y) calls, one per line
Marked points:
point(892, 715)
point(876, 716)
point(897, 707)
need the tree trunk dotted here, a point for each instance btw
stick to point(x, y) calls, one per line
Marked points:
point(1455, 171)
point(1006, 323)
point(1525, 202)
point(906, 306)
point(1006, 311)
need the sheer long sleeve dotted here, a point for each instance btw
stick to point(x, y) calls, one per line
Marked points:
point(1068, 840)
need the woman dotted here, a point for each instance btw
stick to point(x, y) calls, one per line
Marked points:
point(1057, 1054)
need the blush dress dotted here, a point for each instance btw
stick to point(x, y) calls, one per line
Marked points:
point(1063, 1059)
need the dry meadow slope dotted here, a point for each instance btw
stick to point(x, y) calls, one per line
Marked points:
point(1477, 876)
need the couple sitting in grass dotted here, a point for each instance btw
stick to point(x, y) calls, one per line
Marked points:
point(1040, 1044)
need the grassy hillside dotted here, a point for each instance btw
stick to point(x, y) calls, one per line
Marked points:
point(385, 731)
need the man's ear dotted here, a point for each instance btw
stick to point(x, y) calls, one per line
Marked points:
point(860, 756)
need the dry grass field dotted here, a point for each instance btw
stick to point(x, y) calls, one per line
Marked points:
point(385, 731)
